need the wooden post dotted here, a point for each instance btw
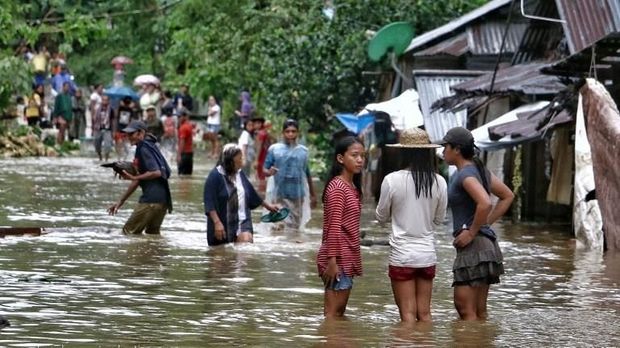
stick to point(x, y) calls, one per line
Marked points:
point(18, 231)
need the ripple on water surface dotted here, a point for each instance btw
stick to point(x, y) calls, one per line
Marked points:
point(83, 283)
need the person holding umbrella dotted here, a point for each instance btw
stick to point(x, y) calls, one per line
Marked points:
point(119, 74)
point(149, 99)
point(146, 79)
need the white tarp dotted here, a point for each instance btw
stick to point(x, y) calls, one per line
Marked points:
point(587, 219)
point(481, 134)
point(404, 110)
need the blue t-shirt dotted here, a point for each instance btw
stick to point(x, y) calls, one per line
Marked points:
point(462, 205)
point(154, 190)
point(292, 164)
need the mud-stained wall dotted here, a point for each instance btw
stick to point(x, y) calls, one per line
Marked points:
point(603, 128)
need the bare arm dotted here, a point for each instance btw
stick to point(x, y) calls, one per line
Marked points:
point(499, 189)
point(91, 107)
point(113, 209)
point(270, 207)
point(311, 190)
point(144, 176)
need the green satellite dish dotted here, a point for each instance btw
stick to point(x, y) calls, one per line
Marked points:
point(394, 37)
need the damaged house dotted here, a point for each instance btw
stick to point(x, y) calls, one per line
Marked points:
point(512, 71)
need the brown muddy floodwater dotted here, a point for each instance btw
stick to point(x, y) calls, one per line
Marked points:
point(85, 284)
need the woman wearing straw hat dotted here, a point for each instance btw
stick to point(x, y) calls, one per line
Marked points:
point(415, 198)
point(479, 260)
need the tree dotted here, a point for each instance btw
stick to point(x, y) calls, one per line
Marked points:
point(25, 25)
point(296, 61)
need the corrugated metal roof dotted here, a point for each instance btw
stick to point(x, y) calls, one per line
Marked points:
point(542, 39)
point(524, 78)
point(579, 64)
point(587, 21)
point(531, 125)
point(454, 46)
point(481, 39)
point(486, 38)
point(433, 85)
point(434, 34)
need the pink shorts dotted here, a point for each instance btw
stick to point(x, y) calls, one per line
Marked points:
point(409, 273)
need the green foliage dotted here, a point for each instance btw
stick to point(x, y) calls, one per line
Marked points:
point(68, 147)
point(30, 23)
point(16, 79)
point(296, 61)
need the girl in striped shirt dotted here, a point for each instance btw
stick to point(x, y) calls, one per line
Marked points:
point(339, 258)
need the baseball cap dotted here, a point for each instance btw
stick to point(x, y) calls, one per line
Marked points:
point(457, 136)
point(134, 126)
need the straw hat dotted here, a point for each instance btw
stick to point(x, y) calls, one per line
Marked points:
point(414, 138)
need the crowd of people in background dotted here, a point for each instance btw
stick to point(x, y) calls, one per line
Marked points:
point(74, 112)
point(414, 198)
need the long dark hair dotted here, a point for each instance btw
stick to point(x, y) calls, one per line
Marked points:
point(342, 145)
point(421, 163)
point(471, 152)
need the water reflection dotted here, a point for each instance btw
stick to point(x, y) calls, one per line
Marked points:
point(474, 333)
point(148, 250)
point(171, 290)
point(416, 334)
point(338, 333)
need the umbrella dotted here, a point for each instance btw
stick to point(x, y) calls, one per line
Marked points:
point(144, 79)
point(121, 60)
point(354, 123)
point(117, 92)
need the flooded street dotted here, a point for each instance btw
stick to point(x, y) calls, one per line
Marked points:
point(84, 283)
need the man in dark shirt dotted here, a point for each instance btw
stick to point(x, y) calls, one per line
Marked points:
point(153, 174)
point(153, 124)
point(124, 115)
point(182, 100)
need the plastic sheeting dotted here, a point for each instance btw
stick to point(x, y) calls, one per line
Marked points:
point(587, 219)
point(404, 110)
point(481, 134)
point(306, 210)
point(355, 123)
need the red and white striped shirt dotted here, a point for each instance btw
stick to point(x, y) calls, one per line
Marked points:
point(341, 228)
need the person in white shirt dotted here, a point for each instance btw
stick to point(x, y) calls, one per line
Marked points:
point(149, 98)
point(94, 103)
point(246, 143)
point(415, 198)
point(213, 126)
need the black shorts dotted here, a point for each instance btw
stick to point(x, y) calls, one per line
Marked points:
point(186, 164)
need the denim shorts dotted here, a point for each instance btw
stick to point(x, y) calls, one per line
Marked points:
point(343, 282)
point(213, 128)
